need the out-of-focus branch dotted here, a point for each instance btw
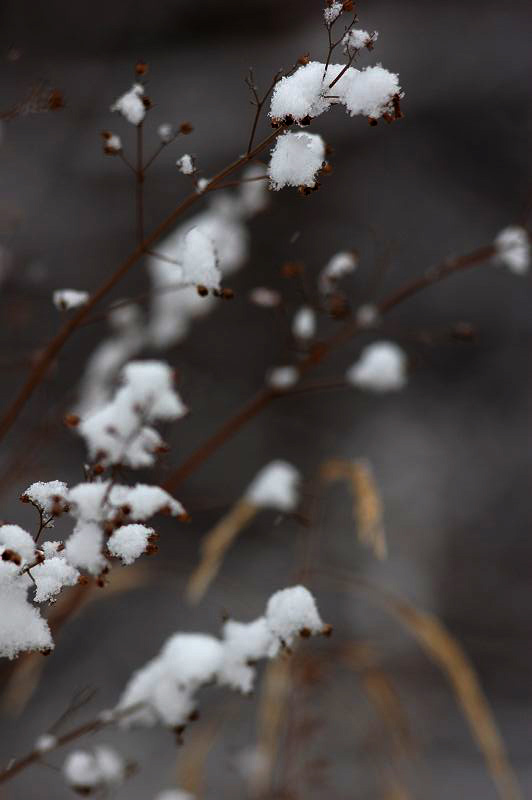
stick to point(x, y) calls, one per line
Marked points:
point(92, 726)
point(266, 395)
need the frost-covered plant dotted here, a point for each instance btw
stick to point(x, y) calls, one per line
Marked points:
point(164, 690)
point(109, 517)
point(122, 400)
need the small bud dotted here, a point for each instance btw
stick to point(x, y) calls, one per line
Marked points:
point(292, 268)
point(397, 107)
point(464, 332)
point(55, 100)
point(12, 556)
point(202, 290)
point(339, 307)
point(185, 128)
point(317, 351)
point(71, 420)
point(372, 122)
point(162, 449)
point(305, 120)
point(141, 68)
point(304, 59)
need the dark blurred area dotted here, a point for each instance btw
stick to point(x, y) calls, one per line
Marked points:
point(451, 453)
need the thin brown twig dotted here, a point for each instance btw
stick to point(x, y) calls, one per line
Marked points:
point(237, 183)
point(127, 162)
point(49, 353)
point(266, 395)
point(139, 172)
point(258, 102)
point(92, 726)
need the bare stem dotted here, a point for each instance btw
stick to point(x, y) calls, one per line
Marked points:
point(93, 726)
point(140, 185)
point(266, 395)
point(258, 102)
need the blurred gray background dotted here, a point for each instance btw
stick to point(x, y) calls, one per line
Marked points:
point(451, 453)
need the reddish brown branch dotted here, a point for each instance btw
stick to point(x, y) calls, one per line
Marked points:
point(139, 172)
point(93, 726)
point(350, 329)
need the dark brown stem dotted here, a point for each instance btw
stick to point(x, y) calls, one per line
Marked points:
point(259, 102)
point(343, 71)
point(350, 329)
point(140, 185)
point(246, 413)
point(93, 726)
point(54, 347)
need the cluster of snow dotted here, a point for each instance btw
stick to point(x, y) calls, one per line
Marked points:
point(65, 299)
point(129, 542)
point(356, 39)
point(276, 486)
point(341, 264)
point(113, 144)
point(48, 496)
point(173, 308)
point(98, 770)
point(308, 93)
point(512, 247)
point(296, 159)
point(370, 92)
point(165, 132)
point(332, 11)
point(100, 505)
point(199, 261)
point(164, 690)
point(382, 367)
point(304, 324)
point(131, 104)
point(265, 297)
point(51, 576)
point(367, 316)
point(45, 743)
point(119, 432)
point(109, 521)
point(253, 193)
point(282, 378)
point(185, 164)
point(21, 625)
